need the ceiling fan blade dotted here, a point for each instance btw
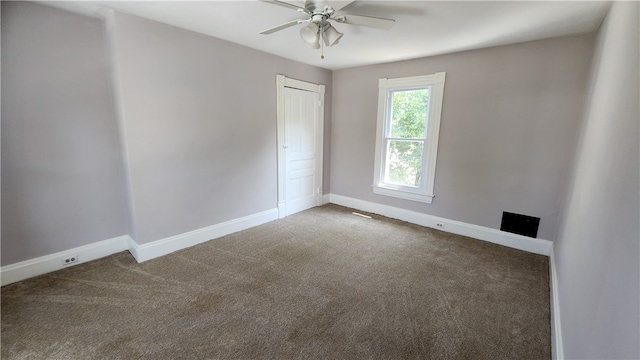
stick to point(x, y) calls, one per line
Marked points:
point(287, 5)
point(283, 26)
point(376, 22)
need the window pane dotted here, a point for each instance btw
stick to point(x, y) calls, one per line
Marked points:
point(404, 162)
point(409, 113)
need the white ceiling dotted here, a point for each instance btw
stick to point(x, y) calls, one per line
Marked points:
point(422, 28)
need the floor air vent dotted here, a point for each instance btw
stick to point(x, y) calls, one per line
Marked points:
point(361, 215)
point(520, 224)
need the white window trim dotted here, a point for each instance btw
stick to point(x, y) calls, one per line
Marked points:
point(425, 193)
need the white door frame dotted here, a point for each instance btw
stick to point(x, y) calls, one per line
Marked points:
point(282, 82)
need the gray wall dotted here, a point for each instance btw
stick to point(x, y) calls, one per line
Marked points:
point(198, 116)
point(597, 250)
point(61, 183)
point(196, 125)
point(509, 125)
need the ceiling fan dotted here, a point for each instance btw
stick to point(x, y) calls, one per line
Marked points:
point(318, 28)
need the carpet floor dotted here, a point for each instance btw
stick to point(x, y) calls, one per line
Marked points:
point(320, 284)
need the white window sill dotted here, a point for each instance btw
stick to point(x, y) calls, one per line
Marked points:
point(403, 194)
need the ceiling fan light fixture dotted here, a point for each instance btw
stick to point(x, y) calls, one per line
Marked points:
point(331, 35)
point(317, 31)
point(310, 34)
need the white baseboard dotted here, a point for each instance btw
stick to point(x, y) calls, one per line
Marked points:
point(48, 263)
point(326, 199)
point(533, 245)
point(42, 265)
point(171, 244)
point(45, 264)
point(557, 350)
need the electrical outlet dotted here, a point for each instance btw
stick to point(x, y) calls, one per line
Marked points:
point(70, 260)
point(440, 225)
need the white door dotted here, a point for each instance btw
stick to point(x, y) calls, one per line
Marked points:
point(300, 148)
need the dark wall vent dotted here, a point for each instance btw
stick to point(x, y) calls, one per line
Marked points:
point(520, 224)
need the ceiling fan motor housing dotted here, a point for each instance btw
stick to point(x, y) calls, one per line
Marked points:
point(319, 18)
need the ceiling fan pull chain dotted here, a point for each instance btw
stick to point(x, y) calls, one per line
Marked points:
point(322, 43)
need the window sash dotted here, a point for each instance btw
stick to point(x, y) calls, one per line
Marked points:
point(389, 106)
point(388, 162)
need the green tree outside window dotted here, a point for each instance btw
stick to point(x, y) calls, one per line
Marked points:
point(407, 134)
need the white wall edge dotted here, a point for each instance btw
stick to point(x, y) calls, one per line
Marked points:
point(48, 263)
point(171, 244)
point(525, 243)
point(557, 350)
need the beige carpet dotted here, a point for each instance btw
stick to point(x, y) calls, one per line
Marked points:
point(321, 284)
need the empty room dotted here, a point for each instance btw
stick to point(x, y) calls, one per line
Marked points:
point(268, 179)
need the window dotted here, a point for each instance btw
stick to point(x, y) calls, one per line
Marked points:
point(407, 136)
